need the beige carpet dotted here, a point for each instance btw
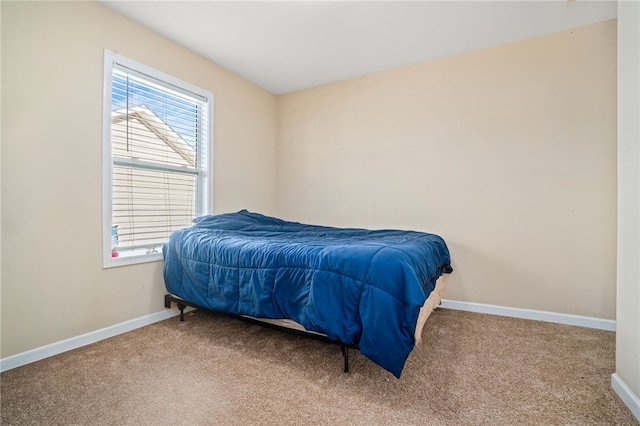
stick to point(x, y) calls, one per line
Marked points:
point(471, 369)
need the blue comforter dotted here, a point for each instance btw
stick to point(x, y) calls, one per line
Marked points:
point(357, 286)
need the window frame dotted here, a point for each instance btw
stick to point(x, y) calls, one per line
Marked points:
point(205, 179)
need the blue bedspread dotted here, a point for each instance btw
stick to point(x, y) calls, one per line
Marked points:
point(358, 286)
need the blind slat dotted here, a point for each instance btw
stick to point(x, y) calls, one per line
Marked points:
point(120, 69)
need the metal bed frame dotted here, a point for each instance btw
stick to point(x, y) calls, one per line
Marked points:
point(344, 347)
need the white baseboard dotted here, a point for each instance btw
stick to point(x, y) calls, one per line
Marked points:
point(84, 339)
point(630, 399)
point(123, 327)
point(601, 324)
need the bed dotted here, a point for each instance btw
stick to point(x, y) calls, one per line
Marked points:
point(370, 289)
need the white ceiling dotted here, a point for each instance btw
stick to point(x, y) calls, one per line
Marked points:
point(292, 45)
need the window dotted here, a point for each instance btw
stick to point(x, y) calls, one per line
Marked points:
point(155, 161)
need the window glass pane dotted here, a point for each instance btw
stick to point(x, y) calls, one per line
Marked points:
point(151, 124)
point(148, 205)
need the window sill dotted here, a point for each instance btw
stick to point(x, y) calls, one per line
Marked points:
point(113, 262)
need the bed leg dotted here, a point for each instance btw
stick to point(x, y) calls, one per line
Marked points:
point(181, 306)
point(345, 354)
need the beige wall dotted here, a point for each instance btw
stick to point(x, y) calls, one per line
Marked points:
point(53, 284)
point(508, 153)
point(628, 320)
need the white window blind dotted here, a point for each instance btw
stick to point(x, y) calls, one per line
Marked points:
point(158, 146)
